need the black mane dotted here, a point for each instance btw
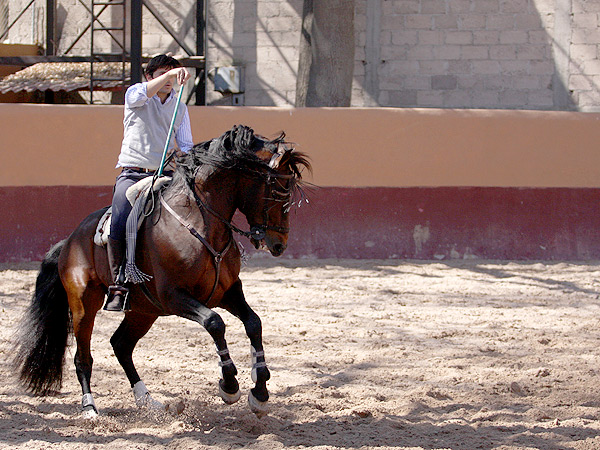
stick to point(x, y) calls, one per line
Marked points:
point(236, 149)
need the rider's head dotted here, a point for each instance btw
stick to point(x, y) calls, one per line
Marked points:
point(160, 62)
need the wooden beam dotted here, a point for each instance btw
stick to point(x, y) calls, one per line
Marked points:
point(24, 61)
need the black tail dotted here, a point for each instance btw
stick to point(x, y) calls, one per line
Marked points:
point(44, 332)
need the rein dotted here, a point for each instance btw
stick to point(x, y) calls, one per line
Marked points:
point(218, 256)
point(257, 232)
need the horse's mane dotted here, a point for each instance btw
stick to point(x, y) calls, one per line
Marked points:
point(236, 149)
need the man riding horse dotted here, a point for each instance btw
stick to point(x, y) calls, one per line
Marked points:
point(186, 243)
point(149, 107)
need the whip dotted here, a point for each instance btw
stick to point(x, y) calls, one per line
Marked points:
point(159, 172)
point(164, 156)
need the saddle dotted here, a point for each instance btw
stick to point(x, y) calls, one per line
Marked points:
point(138, 196)
point(141, 189)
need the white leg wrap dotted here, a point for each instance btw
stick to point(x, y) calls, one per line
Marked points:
point(228, 361)
point(255, 364)
point(230, 399)
point(89, 413)
point(143, 399)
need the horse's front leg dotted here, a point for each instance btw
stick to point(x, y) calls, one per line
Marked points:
point(235, 302)
point(188, 307)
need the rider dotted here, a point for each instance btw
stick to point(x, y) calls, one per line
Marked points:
point(149, 108)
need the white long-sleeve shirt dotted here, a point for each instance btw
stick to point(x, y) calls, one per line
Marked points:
point(146, 125)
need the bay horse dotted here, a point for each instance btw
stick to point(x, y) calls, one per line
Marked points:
point(186, 245)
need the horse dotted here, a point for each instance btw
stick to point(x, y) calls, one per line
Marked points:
point(186, 245)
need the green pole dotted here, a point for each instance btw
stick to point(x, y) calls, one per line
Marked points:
point(164, 156)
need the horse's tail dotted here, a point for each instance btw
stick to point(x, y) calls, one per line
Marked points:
point(44, 332)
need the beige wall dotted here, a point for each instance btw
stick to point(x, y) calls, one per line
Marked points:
point(47, 145)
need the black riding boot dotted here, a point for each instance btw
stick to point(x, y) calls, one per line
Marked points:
point(116, 299)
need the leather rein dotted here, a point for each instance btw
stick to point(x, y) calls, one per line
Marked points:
point(257, 232)
point(217, 256)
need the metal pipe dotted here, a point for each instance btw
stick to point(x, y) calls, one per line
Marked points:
point(136, 41)
point(15, 21)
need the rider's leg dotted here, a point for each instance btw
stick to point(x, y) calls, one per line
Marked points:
point(117, 292)
point(121, 208)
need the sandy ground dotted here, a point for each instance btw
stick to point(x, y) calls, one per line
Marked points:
point(363, 354)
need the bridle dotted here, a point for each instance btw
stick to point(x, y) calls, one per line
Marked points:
point(257, 231)
point(273, 194)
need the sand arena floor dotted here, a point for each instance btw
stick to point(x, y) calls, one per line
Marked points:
point(459, 355)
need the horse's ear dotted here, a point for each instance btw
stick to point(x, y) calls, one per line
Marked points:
point(276, 160)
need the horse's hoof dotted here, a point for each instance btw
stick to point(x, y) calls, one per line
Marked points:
point(149, 403)
point(259, 408)
point(143, 399)
point(230, 399)
point(89, 413)
point(154, 405)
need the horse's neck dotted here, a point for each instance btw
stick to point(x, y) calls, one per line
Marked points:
point(220, 202)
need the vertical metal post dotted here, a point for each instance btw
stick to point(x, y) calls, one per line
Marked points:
point(50, 40)
point(136, 41)
point(50, 26)
point(200, 49)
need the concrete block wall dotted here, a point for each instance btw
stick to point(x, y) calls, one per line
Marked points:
point(512, 54)
point(73, 18)
point(584, 64)
point(496, 54)
point(29, 28)
point(261, 36)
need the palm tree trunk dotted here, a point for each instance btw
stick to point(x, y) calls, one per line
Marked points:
point(326, 63)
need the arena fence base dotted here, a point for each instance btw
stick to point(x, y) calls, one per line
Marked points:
point(367, 223)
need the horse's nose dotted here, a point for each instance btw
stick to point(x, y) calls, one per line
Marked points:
point(278, 249)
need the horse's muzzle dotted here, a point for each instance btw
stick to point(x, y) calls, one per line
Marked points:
point(278, 249)
point(275, 245)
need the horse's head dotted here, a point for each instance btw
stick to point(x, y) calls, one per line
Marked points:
point(261, 177)
point(269, 191)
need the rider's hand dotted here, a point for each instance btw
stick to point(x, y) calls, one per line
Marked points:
point(180, 74)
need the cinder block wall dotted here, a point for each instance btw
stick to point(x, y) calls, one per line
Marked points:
point(497, 54)
point(514, 54)
point(263, 37)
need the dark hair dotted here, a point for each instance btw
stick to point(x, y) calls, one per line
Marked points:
point(159, 62)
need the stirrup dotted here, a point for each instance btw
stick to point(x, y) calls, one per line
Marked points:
point(117, 299)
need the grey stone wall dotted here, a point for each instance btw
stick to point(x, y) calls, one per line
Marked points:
point(513, 54)
point(478, 53)
point(263, 38)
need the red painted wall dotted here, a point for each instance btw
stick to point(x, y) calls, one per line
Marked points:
point(421, 223)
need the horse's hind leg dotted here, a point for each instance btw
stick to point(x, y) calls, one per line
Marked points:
point(84, 303)
point(235, 302)
point(132, 329)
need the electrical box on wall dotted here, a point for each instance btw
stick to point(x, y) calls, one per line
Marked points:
point(228, 79)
